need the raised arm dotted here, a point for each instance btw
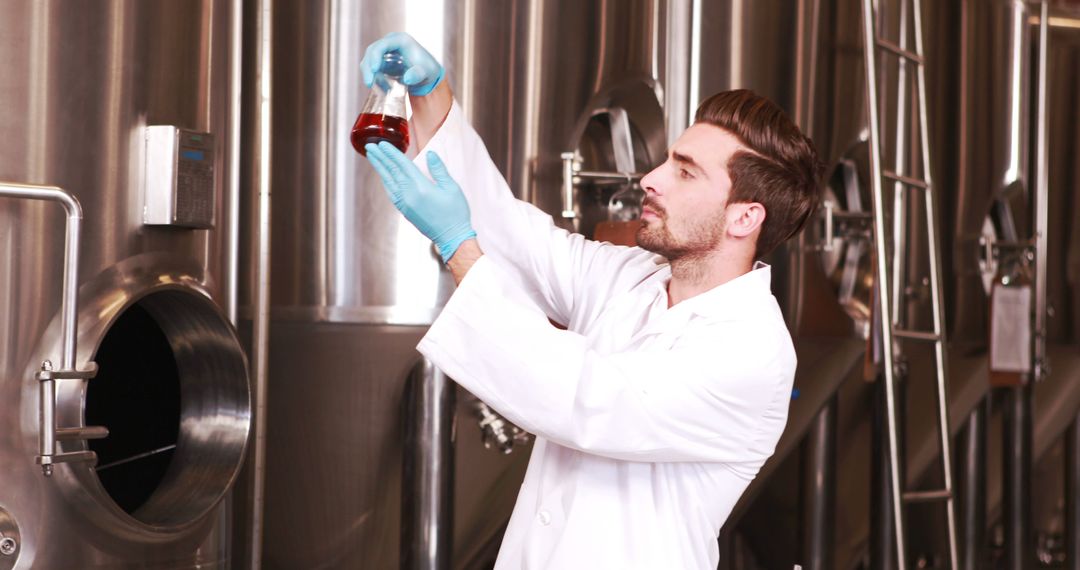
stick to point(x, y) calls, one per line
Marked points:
point(549, 263)
point(429, 112)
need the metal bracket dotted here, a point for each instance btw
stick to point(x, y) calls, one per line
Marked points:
point(496, 430)
point(572, 177)
point(842, 224)
point(992, 253)
point(850, 225)
point(47, 373)
point(48, 376)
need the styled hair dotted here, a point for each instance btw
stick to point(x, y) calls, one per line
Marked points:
point(781, 171)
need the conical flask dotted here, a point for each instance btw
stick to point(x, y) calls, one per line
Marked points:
point(382, 118)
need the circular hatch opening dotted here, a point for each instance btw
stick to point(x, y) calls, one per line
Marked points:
point(136, 395)
point(172, 389)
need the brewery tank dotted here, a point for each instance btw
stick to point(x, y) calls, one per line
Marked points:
point(353, 286)
point(125, 106)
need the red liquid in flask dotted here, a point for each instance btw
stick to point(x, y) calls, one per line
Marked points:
point(374, 128)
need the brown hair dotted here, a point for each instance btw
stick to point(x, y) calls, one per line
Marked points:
point(782, 171)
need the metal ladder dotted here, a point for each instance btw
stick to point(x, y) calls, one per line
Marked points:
point(890, 303)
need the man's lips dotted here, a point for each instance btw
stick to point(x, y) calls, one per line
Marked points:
point(650, 211)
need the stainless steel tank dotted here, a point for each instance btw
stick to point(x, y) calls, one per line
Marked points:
point(354, 286)
point(808, 56)
point(1000, 180)
point(82, 83)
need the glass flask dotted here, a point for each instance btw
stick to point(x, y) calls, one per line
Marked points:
point(382, 118)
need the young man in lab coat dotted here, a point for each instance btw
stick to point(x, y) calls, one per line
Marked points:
point(670, 387)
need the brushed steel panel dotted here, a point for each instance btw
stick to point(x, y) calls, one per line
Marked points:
point(334, 459)
point(81, 82)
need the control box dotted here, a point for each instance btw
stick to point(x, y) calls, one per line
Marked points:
point(178, 187)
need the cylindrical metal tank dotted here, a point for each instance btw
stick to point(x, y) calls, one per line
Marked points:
point(995, 129)
point(808, 56)
point(354, 285)
point(82, 83)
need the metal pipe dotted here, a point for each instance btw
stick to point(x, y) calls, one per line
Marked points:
point(69, 302)
point(232, 142)
point(1072, 495)
point(695, 62)
point(1019, 543)
point(973, 492)
point(882, 533)
point(900, 223)
point(624, 177)
point(261, 317)
point(69, 305)
point(427, 507)
point(882, 276)
point(1042, 195)
point(677, 68)
point(807, 37)
point(820, 492)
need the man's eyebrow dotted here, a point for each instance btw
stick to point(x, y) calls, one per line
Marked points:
point(689, 161)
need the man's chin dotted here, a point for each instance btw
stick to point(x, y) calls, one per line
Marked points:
point(648, 240)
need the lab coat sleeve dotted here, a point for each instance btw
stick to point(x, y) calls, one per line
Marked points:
point(550, 264)
point(722, 397)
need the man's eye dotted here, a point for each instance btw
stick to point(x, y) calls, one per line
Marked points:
point(685, 174)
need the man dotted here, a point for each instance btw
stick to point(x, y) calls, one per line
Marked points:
point(670, 387)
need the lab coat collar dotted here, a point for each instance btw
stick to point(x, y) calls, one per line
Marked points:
point(727, 300)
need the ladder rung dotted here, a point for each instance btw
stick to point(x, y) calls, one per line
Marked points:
point(916, 335)
point(897, 50)
point(927, 496)
point(906, 180)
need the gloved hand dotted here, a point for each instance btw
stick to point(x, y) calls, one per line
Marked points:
point(422, 72)
point(438, 209)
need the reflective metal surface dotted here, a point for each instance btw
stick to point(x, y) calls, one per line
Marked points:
point(341, 251)
point(973, 489)
point(819, 510)
point(993, 178)
point(348, 271)
point(252, 489)
point(181, 519)
point(1072, 494)
point(10, 540)
point(81, 82)
point(538, 79)
point(69, 309)
point(1017, 453)
point(427, 499)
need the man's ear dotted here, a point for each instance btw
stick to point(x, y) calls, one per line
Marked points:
point(745, 218)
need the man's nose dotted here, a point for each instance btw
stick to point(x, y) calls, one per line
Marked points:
point(648, 182)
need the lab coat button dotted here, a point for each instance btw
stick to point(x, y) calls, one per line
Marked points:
point(544, 517)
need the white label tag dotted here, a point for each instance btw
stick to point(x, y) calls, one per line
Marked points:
point(1010, 330)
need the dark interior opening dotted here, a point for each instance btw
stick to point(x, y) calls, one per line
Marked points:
point(136, 395)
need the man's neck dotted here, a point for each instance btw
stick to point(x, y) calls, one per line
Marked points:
point(694, 275)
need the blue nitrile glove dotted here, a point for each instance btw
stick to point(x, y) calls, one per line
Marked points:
point(422, 72)
point(438, 209)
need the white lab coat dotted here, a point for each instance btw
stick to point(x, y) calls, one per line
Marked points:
point(650, 422)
